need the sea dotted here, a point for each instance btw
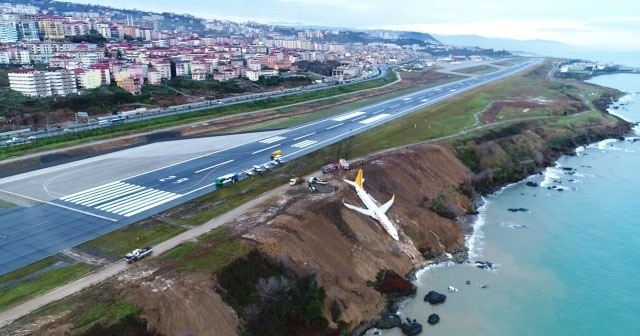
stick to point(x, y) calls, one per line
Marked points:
point(563, 253)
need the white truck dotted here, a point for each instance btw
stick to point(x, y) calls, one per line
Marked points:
point(137, 254)
point(136, 112)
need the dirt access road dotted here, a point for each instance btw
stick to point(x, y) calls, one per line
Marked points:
point(10, 315)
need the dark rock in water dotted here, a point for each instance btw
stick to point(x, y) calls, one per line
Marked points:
point(388, 321)
point(392, 283)
point(567, 168)
point(363, 327)
point(484, 265)
point(518, 209)
point(621, 138)
point(411, 327)
point(434, 297)
point(468, 282)
point(484, 286)
point(531, 184)
point(433, 319)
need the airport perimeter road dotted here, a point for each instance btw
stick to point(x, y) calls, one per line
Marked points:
point(86, 200)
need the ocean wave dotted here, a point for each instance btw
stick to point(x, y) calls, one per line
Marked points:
point(551, 175)
point(606, 144)
point(475, 240)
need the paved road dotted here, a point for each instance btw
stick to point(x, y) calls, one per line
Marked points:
point(67, 205)
point(103, 202)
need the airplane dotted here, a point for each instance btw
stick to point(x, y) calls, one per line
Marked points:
point(374, 211)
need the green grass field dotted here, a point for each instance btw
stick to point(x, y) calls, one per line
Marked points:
point(477, 70)
point(443, 119)
point(41, 284)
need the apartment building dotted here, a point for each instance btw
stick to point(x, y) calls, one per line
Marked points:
point(28, 31)
point(8, 32)
point(88, 79)
point(43, 83)
point(52, 28)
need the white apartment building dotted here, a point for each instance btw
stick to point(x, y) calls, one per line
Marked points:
point(89, 79)
point(43, 83)
point(104, 29)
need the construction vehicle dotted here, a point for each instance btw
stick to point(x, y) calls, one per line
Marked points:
point(137, 254)
point(276, 154)
point(317, 180)
point(312, 181)
point(296, 180)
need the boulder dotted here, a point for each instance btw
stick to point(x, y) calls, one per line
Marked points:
point(411, 327)
point(434, 297)
point(518, 209)
point(487, 265)
point(388, 321)
point(531, 184)
point(433, 319)
point(394, 284)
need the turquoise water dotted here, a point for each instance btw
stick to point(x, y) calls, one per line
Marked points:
point(567, 265)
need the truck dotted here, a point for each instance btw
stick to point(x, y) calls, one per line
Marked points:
point(329, 168)
point(296, 180)
point(127, 114)
point(343, 164)
point(276, 155)
point(137, 254)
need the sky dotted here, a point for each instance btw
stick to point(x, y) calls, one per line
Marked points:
point(613, 25)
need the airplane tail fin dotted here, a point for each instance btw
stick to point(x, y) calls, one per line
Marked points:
point(358, 182)
point(359, 179)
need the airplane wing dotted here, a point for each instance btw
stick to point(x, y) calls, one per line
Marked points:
point(360, 210)
point(375, 201)
point(387, 205)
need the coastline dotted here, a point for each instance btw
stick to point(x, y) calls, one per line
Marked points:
point(474, 242)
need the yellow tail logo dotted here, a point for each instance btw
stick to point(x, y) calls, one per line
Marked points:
point(359, 179)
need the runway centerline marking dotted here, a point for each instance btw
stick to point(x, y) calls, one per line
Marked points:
point(264, 149)
point(214, 166)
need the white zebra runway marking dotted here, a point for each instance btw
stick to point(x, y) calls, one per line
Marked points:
point(121, 198)
point(273, 139)
point(374, 119)
point(304, 144)
point(348, 116)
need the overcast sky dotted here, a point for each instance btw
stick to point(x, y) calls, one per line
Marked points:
point(595, 24)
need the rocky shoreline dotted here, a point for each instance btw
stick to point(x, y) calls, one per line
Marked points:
point(388, 317)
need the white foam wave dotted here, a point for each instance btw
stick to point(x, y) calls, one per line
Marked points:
point(604, 144)
point(551, 175)
point(475, 240)
point(580, 149)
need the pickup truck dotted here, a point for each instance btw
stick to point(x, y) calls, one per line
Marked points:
point(137, 254)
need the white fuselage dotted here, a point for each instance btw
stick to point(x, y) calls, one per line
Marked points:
point(376, 213)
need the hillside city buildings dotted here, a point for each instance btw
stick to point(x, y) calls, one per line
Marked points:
point(29, 35)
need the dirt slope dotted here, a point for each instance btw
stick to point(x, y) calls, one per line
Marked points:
point(317, 234)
